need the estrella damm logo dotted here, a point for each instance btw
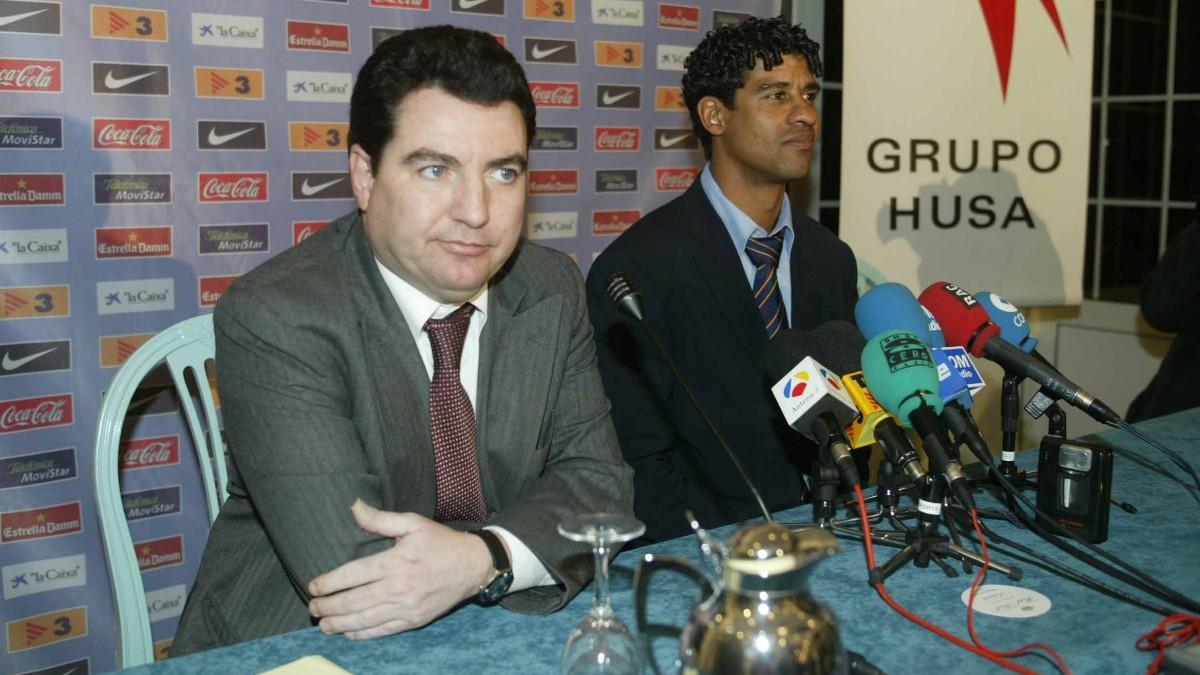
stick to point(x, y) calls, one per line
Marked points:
point(317, 136)
point(550, 10)
point(33, 302)
point(129, 23)
point(116, 349)
point(229, 82)
point(32, 632)
point(619, 54)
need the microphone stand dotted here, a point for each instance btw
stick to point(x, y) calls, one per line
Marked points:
point(825, 480)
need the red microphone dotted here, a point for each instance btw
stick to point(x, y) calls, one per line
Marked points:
point(966, 324)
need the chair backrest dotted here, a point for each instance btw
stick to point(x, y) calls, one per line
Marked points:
point(186, 346)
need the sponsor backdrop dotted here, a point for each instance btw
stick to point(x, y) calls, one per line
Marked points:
point(152, 151)
point(975, 166)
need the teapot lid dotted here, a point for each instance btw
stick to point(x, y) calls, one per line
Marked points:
point(770, 557)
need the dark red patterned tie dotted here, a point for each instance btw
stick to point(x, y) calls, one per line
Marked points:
point(452, 423)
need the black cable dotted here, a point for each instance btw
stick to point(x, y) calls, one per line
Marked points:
point(1174, 457)
point(1027, 555)
point(1144, 581)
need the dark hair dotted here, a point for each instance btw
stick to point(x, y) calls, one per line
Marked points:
point(718, 65)
point(468, 64)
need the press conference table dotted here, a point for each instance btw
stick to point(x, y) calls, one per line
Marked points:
point(1093, 633)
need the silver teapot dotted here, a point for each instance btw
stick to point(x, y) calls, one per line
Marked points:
point(755, 614)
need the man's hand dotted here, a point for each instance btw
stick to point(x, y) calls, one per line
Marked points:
point(430, 569)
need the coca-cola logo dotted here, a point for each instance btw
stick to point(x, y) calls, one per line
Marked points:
point(36, 413)
point(131, 134)
point(303, 229)
point(618, 138)
point(42, 75)
point(233, 187)
point(555, 94)
point(675, 178)
point(142, 453)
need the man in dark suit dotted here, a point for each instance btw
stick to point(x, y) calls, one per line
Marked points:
point(723, 268)
point(411, 373)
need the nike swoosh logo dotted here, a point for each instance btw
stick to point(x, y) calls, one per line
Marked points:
point(13, 18)
point(538, 53)
point(310, 190)
point(609, 99)
point(667, 141)
point(468, 4)
point(122, 82)
point(221, 139)
point(9, 363)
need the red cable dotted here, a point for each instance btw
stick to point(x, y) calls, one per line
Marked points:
point(979, 577)
point(870, 548)
point(1174, 631)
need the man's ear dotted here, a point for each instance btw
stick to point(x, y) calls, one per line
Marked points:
point(362, 179)
point(712, 115)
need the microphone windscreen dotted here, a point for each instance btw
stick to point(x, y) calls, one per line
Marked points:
point(963, 321)
point(890, 306)
point(1014, 328)
point(787, 349)
point(841, 344)
point(936, 339)
point(901, 374)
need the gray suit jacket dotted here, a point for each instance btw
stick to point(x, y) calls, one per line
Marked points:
point(325, 400)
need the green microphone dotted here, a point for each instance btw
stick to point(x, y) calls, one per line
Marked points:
point(902, 375)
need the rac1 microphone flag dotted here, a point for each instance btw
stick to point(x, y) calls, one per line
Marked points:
point(966, 324)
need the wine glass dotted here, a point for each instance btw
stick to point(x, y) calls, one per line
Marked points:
point(600, 644)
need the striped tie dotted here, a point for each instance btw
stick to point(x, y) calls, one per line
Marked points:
point(764, 255)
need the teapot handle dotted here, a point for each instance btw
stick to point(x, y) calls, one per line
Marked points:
point(647, 632)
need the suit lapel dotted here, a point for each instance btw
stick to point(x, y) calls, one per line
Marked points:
point(721, 270)
point(401, 383)
point(516, 365)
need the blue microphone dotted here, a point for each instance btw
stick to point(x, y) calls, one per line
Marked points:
point(935, 330)
point(953, 388)
point(888, 307)
point(1014, 328)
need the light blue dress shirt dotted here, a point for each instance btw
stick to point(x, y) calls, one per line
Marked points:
point(741, 227)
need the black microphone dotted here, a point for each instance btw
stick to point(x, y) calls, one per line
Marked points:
point(811, 396)
point(629, 299)
point(843, 344)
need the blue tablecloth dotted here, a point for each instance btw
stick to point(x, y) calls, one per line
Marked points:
point(1093, 633)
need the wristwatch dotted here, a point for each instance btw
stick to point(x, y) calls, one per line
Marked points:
point(502, 575)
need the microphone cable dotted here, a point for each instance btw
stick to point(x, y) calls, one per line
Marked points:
point(1176, 630)
point(877, 584)
point(628, 298)
point(1027, 555)
point(1131, 574)
point(1172, 455)
point(979, 579)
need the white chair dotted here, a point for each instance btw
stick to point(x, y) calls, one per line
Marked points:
point(186, 346)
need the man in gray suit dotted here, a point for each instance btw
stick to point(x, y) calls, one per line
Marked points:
point(411, 373)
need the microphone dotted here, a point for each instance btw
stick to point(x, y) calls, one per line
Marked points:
point(628, 298)
point(891, 306)
point(811, 397)
point(1014, 327)
point(966, 324)
point(843, 344)
point(937, 340)
point(900, 371)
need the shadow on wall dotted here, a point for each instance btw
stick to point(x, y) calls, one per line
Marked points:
point(972, 223)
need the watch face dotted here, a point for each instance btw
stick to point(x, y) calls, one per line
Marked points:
point(497, 587)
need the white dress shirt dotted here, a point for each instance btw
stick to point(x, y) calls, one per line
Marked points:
point(528, 570)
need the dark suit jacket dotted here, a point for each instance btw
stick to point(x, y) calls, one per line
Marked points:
point(325, 400)
point(699, 303)
point(1171, 302)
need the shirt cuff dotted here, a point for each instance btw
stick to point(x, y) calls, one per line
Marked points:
point(528, 570)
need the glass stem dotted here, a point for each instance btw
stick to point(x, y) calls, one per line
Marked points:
point(601, 606)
